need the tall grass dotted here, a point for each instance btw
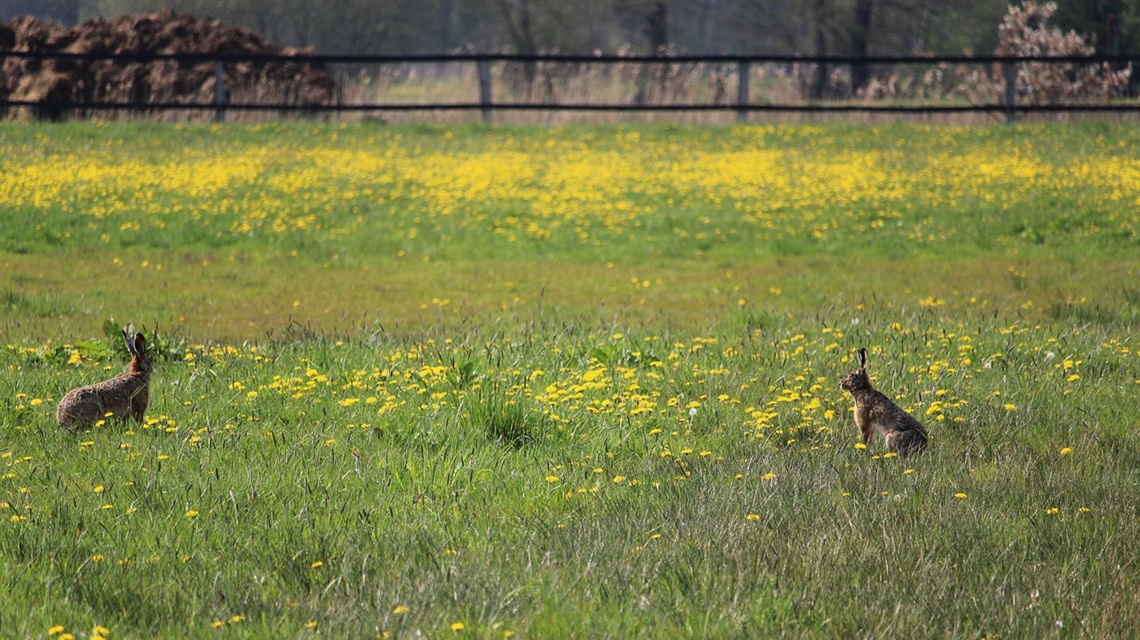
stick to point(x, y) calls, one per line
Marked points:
point(386, 405)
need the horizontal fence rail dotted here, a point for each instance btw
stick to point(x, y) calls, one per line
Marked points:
point(743, 105)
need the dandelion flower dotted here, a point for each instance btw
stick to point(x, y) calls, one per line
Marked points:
point(400, 609)
point(754, 516)
point(960, 495)
point(457, 626)
point(1066, 451)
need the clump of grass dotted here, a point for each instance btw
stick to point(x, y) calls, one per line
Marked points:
point(504, 422)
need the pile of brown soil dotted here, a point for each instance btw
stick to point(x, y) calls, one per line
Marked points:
point(52, 82)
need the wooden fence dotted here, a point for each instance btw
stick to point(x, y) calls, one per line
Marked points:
point(1007, 104)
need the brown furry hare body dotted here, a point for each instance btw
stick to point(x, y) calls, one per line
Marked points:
point(876, 413)
point(124, 395)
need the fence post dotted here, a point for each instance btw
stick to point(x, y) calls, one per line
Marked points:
point(743, 70)
point(485, 89)
point(1009, 70)
point(219, 92)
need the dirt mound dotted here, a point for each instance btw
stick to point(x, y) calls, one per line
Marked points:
point(50, 82)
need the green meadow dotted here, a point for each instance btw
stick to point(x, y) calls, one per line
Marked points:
point(571, 382)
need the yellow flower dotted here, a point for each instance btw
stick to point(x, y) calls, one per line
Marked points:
point(191, 514)
point(960, 495)
point(552, 479)
point(457, 626)
point(316, 564)
point(860, 445)
point(1010, 407)
point(400, 609)
point(619, 479)
point(54, 630)
point(1066, 451)
point(1052, 511)
point(754, 516)
point(99, 489)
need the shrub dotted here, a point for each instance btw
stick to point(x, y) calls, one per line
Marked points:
point(1024, 32)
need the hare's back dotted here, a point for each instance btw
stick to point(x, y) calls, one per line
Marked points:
point(80, 405)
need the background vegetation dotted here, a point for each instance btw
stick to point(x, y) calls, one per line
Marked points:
point(819, 27)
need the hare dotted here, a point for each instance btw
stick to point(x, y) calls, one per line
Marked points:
point(876, 413)
point(123, 395)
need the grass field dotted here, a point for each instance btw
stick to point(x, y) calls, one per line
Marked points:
point(571, 382)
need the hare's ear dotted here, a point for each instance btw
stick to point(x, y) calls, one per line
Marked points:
point(862, 358)
point(129, 336)
point(139, 347)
